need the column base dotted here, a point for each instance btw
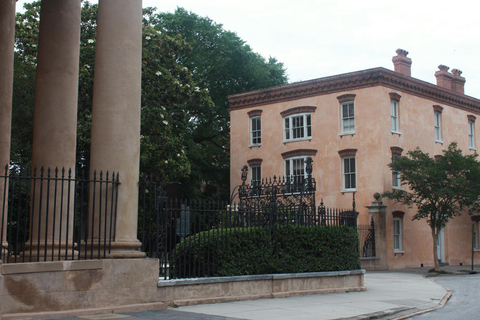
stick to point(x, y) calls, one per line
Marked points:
point(117, 250)
point(49, 251)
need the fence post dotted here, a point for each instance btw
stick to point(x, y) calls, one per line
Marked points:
point(377, 213)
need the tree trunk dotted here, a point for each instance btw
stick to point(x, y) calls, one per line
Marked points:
point(435, 243)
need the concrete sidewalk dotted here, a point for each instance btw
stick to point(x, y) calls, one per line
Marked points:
point(389, 295)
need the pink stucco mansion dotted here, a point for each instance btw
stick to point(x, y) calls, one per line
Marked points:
point(353, 125)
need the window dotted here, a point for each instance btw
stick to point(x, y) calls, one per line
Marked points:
point(348, 117)
point(438, 126)
point(437, 123)
point(396, 183)
point(297, 127)
point(394, 112)
point(349, 170)
point(256, 175)
point(396, 154)
point(397, 235)
point(295, 162)
point(255, 127)
point(255, 130)
point(471, 132)
point(295, 168)
point(394, 116)
point(347, 114)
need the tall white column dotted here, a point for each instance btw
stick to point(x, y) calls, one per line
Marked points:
point(116, 115)
point(55, 126)
point(7, 37)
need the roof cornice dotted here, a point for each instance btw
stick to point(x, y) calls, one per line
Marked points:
point(351, 81)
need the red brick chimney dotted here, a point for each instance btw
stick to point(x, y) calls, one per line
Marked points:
point(458, 82)
point(444, 78)
point(401, 63)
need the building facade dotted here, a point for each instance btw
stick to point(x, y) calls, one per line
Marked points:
point(353, 125)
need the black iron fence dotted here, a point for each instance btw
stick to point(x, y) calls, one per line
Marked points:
point(165, 222)
point(366, 235)
point(56, 214)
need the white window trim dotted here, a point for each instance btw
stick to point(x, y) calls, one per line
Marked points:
point(437, 124)
point(396, 175)
point(471, 135)
point(252, 168)
point(291, 159)
point(252, 144)
point(291, 165)
point(400, 236)
point(395, 119)
point(343, 175)
point(342, 130)
point(290, 129)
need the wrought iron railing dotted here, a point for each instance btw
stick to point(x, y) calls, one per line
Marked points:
point(165, 222)
point(366, 235)
point(56, 214)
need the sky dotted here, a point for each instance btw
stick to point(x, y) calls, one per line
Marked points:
point(319, 38)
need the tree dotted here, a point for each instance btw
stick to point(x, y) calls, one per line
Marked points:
point(190, 66)
point(168, 93)
point(223, 64)
point(440, 188)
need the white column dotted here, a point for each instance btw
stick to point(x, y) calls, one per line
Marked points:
point(116, 115)
point(55, 126)
point(7, 37)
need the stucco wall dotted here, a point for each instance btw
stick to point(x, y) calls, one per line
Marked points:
point(373, 140)
point(73, 286)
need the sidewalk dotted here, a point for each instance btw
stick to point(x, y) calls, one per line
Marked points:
point(390, 295)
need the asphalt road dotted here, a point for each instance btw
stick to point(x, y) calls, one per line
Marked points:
point(464, 303)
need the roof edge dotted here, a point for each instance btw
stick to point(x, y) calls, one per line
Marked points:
point(351, 81)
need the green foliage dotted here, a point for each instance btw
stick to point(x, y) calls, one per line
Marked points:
point(190, 66)
point(244, 251)
point(439, 189)
point(222, 63)
point(307, 249)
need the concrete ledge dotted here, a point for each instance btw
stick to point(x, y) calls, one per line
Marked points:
point(184, 292)
point(40, 289)
point(50, 266)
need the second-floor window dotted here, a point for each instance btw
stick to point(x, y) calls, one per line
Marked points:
point(349, 173)
point(256, 130)
point(396, 182)
point(297, 127)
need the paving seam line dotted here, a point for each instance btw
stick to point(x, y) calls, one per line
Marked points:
point(444, 300)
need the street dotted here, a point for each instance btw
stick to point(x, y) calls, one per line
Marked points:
point(464, 301)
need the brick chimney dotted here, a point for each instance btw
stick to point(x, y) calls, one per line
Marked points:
point(444, 78)
point(401, 63)
point(458, 82)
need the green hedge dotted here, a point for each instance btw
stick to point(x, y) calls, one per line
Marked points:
point(287, 249)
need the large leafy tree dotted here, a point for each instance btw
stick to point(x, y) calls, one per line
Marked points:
point(190, 66)
point(222, 63)
point(439, 189)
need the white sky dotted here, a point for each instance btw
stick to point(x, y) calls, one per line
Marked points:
point(318, 38)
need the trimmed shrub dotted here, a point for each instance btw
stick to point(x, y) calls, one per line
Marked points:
point(285, 249)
